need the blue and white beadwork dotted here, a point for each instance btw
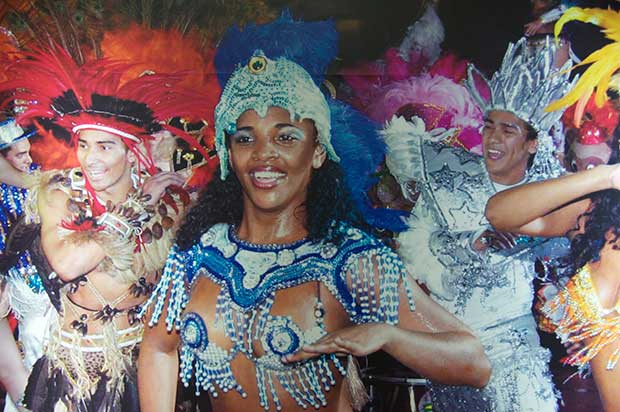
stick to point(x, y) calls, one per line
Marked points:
point(362, 273)
point(194, 332)
point(282, 336)
point(12, 207)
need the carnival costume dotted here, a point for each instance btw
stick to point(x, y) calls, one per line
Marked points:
point(250, 275)
point(360, 272)
point(597, 122)
point(24, 294)
point(433, 91)
point(491, 292)
point(81, 370)
point(438, 98)
point(575, 314)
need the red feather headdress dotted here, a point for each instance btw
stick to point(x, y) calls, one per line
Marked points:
point(187, 52)
point(53, 91)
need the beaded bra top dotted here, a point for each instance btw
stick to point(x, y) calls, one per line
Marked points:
point(361, 273)
point(576, 314)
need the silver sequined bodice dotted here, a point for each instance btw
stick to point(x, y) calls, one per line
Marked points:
point(490, 292)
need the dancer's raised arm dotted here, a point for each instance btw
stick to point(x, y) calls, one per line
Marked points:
point(553, 206)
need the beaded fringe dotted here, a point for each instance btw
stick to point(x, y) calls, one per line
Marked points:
point(576, 314)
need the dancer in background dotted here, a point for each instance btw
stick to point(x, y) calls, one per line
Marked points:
point(22, 291)
point(100, 232)
point(586, 310)
point(482, 275)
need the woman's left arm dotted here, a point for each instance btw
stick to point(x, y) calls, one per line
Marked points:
point(428, 340)
point(13, 373)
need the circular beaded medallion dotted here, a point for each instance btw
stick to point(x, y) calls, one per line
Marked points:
point(285, 257)
point(257, 64)
point(194, 332)
point(282, 336)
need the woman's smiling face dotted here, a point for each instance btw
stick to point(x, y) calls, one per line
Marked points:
point(273, 158)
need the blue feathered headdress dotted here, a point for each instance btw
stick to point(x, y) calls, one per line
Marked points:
point(361, 151)
point(268, 65)
point(312, 45)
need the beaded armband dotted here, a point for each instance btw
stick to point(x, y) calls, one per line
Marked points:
point(126, 219)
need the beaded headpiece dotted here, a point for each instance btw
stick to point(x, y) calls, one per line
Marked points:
point(11, 133)
point(262, 83)
point(524, 85)
point(283, 64)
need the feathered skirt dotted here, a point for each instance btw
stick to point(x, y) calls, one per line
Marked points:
point(52, 385)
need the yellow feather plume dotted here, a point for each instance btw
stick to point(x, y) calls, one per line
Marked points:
point(607, 19)
point(604, 62)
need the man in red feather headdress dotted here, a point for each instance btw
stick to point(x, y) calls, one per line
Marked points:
point(101, 231)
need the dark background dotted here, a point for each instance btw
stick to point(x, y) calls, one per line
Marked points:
point(477, 30)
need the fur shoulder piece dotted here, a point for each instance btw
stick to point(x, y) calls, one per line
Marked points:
point(135, 236)
point(405, 140)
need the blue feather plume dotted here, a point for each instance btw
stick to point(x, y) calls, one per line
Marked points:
point(312, 45)
point(361, 150)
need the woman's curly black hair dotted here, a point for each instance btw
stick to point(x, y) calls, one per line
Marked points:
point(327, 202)
point(601, 225)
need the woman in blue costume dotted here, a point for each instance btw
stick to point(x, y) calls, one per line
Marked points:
point(21, 289)
point(274, 274)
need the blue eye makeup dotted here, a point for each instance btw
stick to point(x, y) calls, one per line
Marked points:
point(241, 137)
point(290, 134)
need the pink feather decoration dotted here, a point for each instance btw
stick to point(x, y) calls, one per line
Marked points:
point(367, 79)
point(450, 66)
point(439, 101)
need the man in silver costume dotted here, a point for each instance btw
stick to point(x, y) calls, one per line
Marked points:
point(482, 276)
